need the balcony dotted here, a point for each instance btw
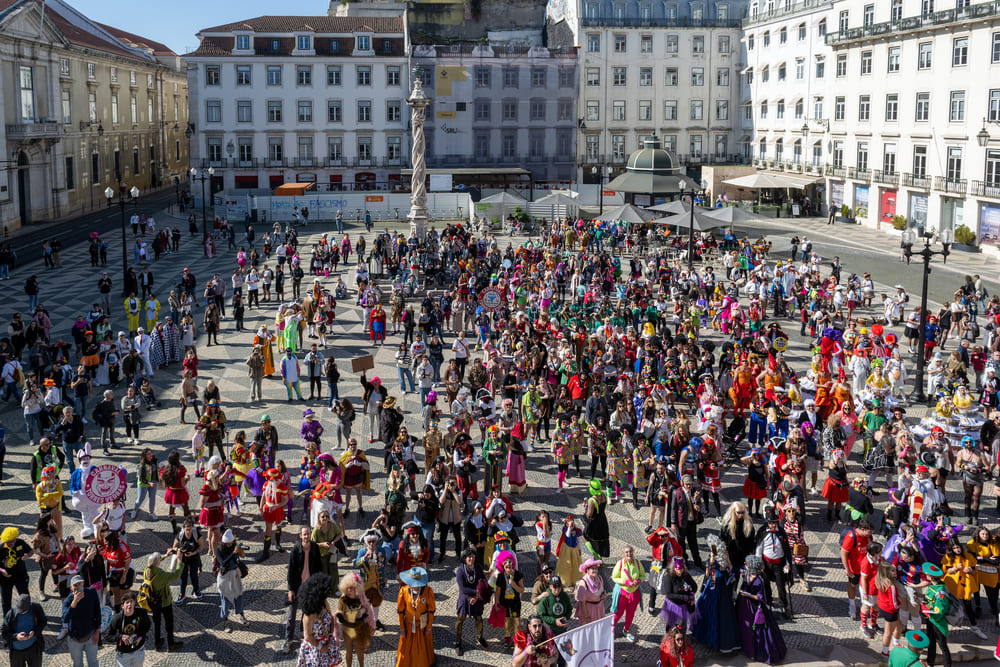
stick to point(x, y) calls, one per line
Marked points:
point(305, 163)
point(619, 159)
point(778, 12)
point(916, 181)
point(43, 129)
point(363, 162)
point(859, 174)
point(592, 159)
point(981, 189)
point(946, 17)
point(274, 162)
point(956, 186)
point(215, 164)
point(612, 22)
point(794, 165)
point(887, 177)
point(335, 161)
point(252, 163)
point(835, 171)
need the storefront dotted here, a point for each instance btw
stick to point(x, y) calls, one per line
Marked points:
point(918, 211)
point(861, 201)
point(951, 213)
point(887, 206)
point(989, 224)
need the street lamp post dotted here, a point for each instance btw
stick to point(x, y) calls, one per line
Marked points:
point(691, 193)
point(918, 395)
point(134, 194)
point(599, 172)
point(202, 178)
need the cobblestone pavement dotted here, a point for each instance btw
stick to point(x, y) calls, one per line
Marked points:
point(820, 634)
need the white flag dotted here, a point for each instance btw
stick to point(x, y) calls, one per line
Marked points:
point(591, 645)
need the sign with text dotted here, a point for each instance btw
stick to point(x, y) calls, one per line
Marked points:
point(105, 483)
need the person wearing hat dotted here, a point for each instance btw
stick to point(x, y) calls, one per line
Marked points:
point(597, 531)
point(228, 555)
point(508, 587)
point(370, 564)
point(372, 398)
point(556, 608)
point(905, 656)
point(936, 605)
point(49, 494)
point(13, 571)
point(415, 608)
point(214, 422)
point(774, 549)
point(81, 615)
point(760, 635)
point(274, 497)
point(22, 631)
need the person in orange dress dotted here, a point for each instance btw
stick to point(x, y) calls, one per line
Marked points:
point(742, 390)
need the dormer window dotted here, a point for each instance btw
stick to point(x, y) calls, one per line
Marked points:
point(243, 42)
point(275, 45)
point(364, 43)
point(303, 43)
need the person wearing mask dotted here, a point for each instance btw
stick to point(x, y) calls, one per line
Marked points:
point(303, 561)
point(128, 629)
point(22, 631)
point(81, 615)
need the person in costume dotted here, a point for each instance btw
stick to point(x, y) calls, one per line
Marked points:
point(936, 606)
point(760, 635)
point(597, 531)
point(415, 608)
point(211, 517)
point(133, 308)
point(272, 509)
point(494, 453)
point(473, 590)
point(49, 493)
point(665, 549)
point(370, 564)
point(508, 588)
point(590, 593)
point(679, 589)
point(562, 449)
point(413, 550)
point(498, 545)
point(985, 548)
point(320, 627)
point(909, 654)
point(627, 575)
point(973, 464)
point(465, 459)
point(961, 579)
point(87, 508)
point(214, 422)
point(835, 490)
point(516, 479)
point(355, 617)
point(676, 649)
point(265, 340)
point(174, 477)
point(356, 475)
point(533, 646)
point(311, 430)
point(715, 615)
point(568, 552)
point(240, 467)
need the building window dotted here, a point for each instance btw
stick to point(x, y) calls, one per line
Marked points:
point(593, 43)
point(892, 107)
point(244, 111)
point(566, 77)
point(869, 17)
point(482, 110)
point(722, 76)
point(393, 150)
point(779, 109)
point(646, 44)
point(766, 40)
point(957, 106)
point(510, 77)
point(618, 76)
point(113, 74)
point(92, 107)
point(392, 75)
point(214, 150)
point(763, 109)
point(618, 147)
point(482, 77)
point(864, 108)
point(564, 110)
point(670, 77)
point(364, 43)
point(889, 158)
point(508, 146)
point(779, 150)
point(721, 110)
point(820, 67)
point(954, 163)
point(723, 12)
point(781, 72)
point(749, 76)
point(510, 110)
point(275, 149)
point(765, 74)
point(27, 94)
point(593, 110)
point(335, 149)
point(618, 110)
point(334, 111)
point(821, 28)
point(364, 111)
point(697, 76)
point(393, 111)
point(245, 150)
point(242, 42)
point(645, 110)
point(670, 110)
point(817, 108)
point(64, 66)
point(303, 43)
point(273, 111)
point(274, 75)
point(923, 109)
point(841, 65)
point(926, 8)
point(538, 77)
point(839, 105)
point(797, 151)
point(721, 146)
point(698, 44)
point(593, 148)
point(845, 21)
point(896, 11)
point(213, 111)
point(114, 109)
point(536, 110)
point(92, 67)
point(275, 45)
point(134, 109)
point(304, 75)
point(799, 109)
point(620, 44)
point(924, 51)
point(920, 161)
point(862, 156)
point(696, 145)
point(482, 146)
point(866, 62)
point(305, 150)
point(992, 176)
point(243, 75)
point(67, 108)
point(333, 75)
point(960, 51)
point(783, 36)
point(645, 76)
point(838, 154)
point(672, 43)
point(364, 75)
point(893, 64)
point(994, 110)
point(800, 68)
point(802, 32)
point(593, 76)
point(995, 50)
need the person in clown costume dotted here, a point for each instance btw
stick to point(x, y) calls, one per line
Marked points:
point(272, 510)
point(877, 384)
point(87, 508)
point(241, 465)
point(49, 494)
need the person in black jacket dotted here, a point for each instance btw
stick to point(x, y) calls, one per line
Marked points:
point(475, 531)
point(104, 416)
point(26, 646)
point(81, 614)
point(303, 562)
point(70, 428)
point(773, 548)
point(129, 628)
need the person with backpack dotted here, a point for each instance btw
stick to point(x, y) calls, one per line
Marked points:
point(128, 629)
point(156, 589)
point(853, 550)
point(936, 606)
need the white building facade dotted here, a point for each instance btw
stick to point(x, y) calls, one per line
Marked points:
point(319, 99)
point(911, 86)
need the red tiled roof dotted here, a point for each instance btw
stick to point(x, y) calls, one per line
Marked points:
point(81, 37)
point(213, 47)
point(141, 42)
point(318, 24)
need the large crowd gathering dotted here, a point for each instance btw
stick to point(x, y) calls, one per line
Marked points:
point(592, 341)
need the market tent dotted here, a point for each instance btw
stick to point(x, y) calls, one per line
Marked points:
point(731, 215)
point(675, 207)
point(558, 199)
point(763, 179)
point(702, 222)
point(503, 200)
point(626, 213)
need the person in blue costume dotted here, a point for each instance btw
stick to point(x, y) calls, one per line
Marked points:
point(715, 626)
point(760, 635)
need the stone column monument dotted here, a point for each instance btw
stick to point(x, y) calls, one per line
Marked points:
point(418, 102)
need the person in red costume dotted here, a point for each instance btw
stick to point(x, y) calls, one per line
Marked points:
point(675, 649)
point(413, 550)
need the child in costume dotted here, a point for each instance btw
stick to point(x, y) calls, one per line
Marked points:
point(371, 570)
point(198, 449)
point(543, 538)
point(49, 493)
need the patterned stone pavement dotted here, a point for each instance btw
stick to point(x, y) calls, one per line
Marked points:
point(820, 634)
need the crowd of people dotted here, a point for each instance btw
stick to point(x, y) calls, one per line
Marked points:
point(672, 385)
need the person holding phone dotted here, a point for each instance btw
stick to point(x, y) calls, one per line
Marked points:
point(22, 630)
point(81, 613)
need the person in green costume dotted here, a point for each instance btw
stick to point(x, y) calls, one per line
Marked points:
point(936, 606)
point(904, 656)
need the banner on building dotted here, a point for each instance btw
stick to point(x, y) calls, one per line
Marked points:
point(837, 194)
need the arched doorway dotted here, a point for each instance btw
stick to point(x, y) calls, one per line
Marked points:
point(23, 189)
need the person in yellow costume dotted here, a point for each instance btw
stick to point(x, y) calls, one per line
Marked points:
point(133, 307)
point(985, 548)
point(152, 312)
point(49, 494)
point(415, 606)
point(265, 338)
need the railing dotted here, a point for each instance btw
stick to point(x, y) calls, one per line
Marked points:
point(335, 161)
point(981, 189)
point(43, 129)
point(589, 159)
point(797, 7)
point(888, 177)
point(915, 181)
point(913, 23)
point(859, 174)
point(836, 171)
point(269, 162)
point(252, 163)
point(305, 163)
point(952, 185)
point(611, 22)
